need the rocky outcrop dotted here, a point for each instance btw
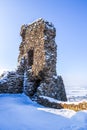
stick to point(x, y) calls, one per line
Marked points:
point(36, 72)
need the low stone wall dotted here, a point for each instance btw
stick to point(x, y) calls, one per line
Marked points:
point(75, 107)
point(47, 103)
point(11, 82)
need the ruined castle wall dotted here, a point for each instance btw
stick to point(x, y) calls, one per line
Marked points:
point(11, 82)
point(36, 71)
point(50, 48)
point(39, 37)
point(33, 39)
point(41, 77)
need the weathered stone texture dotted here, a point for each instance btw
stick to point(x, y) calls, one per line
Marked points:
point(36, 73)
point(47, 103)
point(40, 76)
point(76, 106)
point(33, 39)
point(11, 82)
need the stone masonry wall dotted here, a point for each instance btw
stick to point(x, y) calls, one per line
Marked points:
point(40, 77)
point(33, 39)
point(11, 82)
point(36, 72)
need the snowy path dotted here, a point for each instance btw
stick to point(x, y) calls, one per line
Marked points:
point(18, 112)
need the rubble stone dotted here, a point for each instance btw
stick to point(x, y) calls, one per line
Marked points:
point(11, 82)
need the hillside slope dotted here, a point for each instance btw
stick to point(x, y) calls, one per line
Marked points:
point(18, 112)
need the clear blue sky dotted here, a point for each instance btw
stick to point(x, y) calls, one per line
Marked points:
point(70, 20)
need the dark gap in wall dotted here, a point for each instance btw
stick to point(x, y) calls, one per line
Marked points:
point(35, 86)
point(30, 57)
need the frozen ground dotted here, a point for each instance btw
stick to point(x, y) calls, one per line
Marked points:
point(18, 112)
point(76, 93)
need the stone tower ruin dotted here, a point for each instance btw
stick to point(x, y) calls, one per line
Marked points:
point(37, 61)
point(36, 72)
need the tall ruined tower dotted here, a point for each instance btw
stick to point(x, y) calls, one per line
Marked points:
point(38, 47)
point(37, 61)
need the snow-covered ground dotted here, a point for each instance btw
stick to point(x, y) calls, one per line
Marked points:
point(76, 90)
point(76, 93)
point(18, 112)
